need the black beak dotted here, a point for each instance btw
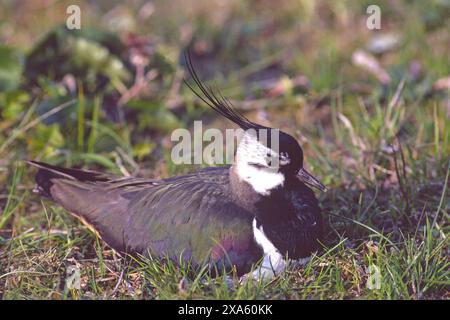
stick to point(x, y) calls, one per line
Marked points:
point(307, 178)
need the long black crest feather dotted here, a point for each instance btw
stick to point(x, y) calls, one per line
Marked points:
point(216, 100)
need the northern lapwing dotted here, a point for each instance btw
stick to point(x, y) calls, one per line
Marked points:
point(230, 217)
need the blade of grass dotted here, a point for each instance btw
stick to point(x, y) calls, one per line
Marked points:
point(81, 117)
point(94, 123)
point(17, 132)
point(10, 207)
point(441, 202)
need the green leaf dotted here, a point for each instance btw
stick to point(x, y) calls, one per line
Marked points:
point(13, 103)
point(143, 149)
point(46, 139)
point(11, 67)
point(154, 116)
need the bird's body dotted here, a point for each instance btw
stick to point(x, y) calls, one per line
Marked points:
point(230, 217)
point(201, 217)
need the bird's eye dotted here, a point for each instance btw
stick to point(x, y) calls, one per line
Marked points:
point(284, 159)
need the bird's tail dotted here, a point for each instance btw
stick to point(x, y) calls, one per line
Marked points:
point(48, 174)
point(94, 198)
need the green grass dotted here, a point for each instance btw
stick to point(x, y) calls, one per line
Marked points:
point(383, 152)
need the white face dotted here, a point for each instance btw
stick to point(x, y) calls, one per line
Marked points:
point(254, 167)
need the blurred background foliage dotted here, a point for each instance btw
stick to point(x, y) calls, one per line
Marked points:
point(129, 58)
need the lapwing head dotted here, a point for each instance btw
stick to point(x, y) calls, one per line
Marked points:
point(266, 158)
